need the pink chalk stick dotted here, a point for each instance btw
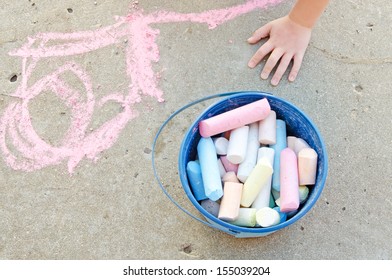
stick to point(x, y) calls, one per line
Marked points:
point(307, 166)
point(289, 184)
point(230, 204)
point(228, 165)
point(235, 118)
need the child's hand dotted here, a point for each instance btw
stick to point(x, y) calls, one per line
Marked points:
point(287, 41)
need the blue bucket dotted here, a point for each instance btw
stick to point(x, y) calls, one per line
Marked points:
point(297, 123)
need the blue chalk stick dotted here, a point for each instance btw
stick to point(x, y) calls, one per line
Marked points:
point(209, 168)
point(196, 180)
point(281, 143)
point(283, 216)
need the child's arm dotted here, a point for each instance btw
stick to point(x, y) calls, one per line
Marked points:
point(289, 37)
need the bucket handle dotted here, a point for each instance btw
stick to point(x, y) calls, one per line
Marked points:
point(230, 231)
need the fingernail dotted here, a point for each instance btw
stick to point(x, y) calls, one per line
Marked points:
point(292, 78)
point(274, 82)
point(251, 64)
point(264, 75)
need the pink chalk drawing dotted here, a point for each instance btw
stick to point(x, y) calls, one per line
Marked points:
point(23, 149)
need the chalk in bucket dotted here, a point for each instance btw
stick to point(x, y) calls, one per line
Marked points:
point(297, 124)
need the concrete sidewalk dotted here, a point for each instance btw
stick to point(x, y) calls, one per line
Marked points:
point(103, 202)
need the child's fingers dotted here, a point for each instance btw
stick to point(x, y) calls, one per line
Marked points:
point(271, 62)
point(260, 33)
point(284, 63)
point(296, 66)
point(260, 54)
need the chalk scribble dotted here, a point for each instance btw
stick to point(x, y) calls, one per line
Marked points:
point(23, 149)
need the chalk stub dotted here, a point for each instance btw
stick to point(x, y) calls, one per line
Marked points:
point(230, 203)
point(266, 217)
point(236, 149)
point(210, 206)
point(246, 217)
point(196, 180)
point(307, 166)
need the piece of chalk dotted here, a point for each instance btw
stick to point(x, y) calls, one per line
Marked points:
point(236, 150)
point(266, 217)
point(255, 181)
point(209, 168)
point(211, 207)
point(283, 216)
point(289, 186)
point(221, 144)
point(230, 203)
point(230, 177)
point(275, 194)
point(267, 129)
point(307, 166)
point(303, 194)
point(266, 152)
point(222, 170)
point(195, 180)
point(299, 145)
point(246, 217)
point(264, 197)
point(291, 142)
point(228, 165)
point(252, 147)
point(281, 143)
point(235, 118)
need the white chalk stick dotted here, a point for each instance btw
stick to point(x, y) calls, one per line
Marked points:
point(299, 145)
point(246, 217)
point(266, 217)
point(291, 142)
point(252, 147)
point(307, 166)
point(267, 129)
point(255, 181)
point(222, 170)
point(230, 203)
point(221, 144)
point(266, 152)
point(236, 150)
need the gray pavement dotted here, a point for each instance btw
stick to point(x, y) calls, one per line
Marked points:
point(111, 206)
